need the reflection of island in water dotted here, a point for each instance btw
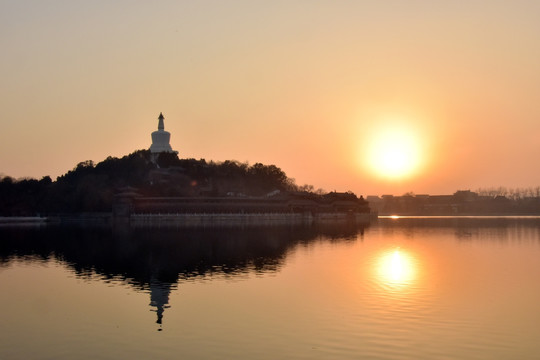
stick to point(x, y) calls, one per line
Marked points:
point(154, 260)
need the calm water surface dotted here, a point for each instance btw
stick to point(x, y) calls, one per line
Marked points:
point(409, 288)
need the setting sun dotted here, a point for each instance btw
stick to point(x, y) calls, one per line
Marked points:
point(394, 153)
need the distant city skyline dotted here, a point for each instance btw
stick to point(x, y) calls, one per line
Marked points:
point(376, 97)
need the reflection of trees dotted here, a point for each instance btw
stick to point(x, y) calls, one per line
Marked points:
point(153, 259)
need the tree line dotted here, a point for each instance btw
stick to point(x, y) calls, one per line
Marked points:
point(491, 201)
point(510, 193)
point(91, 187)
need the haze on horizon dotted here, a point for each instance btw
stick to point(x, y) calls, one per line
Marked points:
point(369, 96)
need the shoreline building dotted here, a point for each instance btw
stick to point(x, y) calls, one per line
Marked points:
point(161, 139)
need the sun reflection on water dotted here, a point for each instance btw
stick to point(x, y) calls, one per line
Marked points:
point(396, 268)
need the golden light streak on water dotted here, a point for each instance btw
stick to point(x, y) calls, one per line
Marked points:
point(396, 268)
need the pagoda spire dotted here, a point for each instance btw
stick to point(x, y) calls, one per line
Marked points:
point(161, 125)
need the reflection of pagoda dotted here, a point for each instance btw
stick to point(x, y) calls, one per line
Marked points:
point(155, 266)
point(159, 298)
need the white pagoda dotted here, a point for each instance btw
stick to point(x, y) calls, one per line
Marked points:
point(161, 139)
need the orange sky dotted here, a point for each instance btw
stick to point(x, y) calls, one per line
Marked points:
point(304, 85)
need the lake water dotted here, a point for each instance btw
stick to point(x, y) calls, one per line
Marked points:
point(407, 288)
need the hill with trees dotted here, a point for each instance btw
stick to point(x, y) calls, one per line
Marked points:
point(91, 187)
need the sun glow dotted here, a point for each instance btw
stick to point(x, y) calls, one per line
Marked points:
point(396, 268)
point(394, 150)
point(394, 153)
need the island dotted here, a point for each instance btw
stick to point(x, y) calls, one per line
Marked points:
point(147, 187)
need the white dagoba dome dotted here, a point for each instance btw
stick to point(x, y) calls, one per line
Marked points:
point(161, 138)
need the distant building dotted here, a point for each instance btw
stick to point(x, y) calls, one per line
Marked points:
point(161, 139)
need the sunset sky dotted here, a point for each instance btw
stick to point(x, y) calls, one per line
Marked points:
point(376, 97)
